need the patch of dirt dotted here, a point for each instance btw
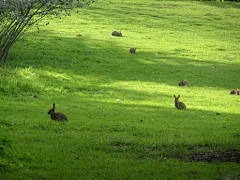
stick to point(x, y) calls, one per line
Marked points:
point(213, 156)
point(205, 154)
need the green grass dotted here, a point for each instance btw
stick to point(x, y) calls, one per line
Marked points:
point(105, 92)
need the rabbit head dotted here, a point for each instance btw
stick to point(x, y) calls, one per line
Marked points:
point(179, 105)
point(119, 33)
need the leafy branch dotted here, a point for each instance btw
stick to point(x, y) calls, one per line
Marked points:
point(17, 16)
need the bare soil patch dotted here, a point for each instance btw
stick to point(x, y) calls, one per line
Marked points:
point(204, 154)
point(214, 156)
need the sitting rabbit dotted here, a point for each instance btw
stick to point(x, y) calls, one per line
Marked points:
point(132, 50)
point(183, 83)
point(115, 33)
point(233, 91)
point(179, 105)
point(57, 116)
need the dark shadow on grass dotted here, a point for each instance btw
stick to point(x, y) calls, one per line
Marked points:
point(225, 4)
point(112, 62)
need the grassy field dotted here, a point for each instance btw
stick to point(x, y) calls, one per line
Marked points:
point(123, 122)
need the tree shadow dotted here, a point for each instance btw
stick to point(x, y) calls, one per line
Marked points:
point(225, 4)
point(110, 61)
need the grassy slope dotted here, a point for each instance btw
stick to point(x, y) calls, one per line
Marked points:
point(86, 76)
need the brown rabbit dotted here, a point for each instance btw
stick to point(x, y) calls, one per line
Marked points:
point(132, 50)
point(179, 105)
point(233, 91)
point(183, 83)
point(57, 116)
point(115, 33)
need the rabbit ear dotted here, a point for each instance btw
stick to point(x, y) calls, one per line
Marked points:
point(174, 96)
point(54, 106)
point(178, 96)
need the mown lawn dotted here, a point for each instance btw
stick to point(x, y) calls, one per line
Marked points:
point(123, 122)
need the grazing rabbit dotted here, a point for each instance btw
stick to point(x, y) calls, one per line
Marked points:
point(179, 105)
point(132, 50)
point(115, 33)
point(183, 83)
point(57, 116)
point(233, 91)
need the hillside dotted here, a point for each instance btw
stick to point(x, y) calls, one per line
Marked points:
point(123, 123)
